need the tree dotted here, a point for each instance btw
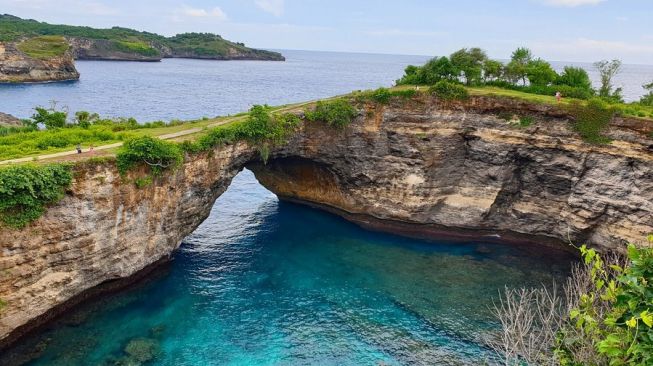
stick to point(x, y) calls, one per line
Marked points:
point(84, 119)
point(437, 69)
point(575, 77)
point(540, 72)
point(648, 98)
point(517, 67)
point(468, 64)
point(51, 118)
point(607, 71)
point(492, 70)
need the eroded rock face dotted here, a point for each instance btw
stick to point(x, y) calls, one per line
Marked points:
point(106, 229)
point(16, 67)
point(416, 167)
point(422, 167)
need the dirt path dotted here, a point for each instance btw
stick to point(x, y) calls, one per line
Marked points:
point(114, 145)
point(190, 131)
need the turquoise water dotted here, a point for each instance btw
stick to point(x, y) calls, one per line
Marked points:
point(264, 282)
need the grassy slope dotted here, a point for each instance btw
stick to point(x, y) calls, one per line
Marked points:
point(199, 128)
point(130, 40)
point(44, 47)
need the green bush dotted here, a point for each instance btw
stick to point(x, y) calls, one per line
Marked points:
point(157, 154)
point(336, 113)
point(525, 121)
point(381, 95)
point(591, 119)
point(262, 128)
point(447, 90)
point(618, 318)
point(25, 190)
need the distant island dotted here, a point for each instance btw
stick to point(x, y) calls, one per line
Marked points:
point(33, 51)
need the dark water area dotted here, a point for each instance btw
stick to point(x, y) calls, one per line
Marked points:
point(264, 282)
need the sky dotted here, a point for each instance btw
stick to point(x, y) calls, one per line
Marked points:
point(556, 30)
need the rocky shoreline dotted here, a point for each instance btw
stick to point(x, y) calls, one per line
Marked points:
point(420, 167)
point(17, 67)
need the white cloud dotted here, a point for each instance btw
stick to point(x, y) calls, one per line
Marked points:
point(572, 3)
point(202, 13)
point(274, 7)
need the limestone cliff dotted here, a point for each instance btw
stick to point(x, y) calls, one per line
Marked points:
point(421, 167)
point(425, 167)
point(17, 67)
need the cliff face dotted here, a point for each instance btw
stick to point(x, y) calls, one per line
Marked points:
point(102, 49)
point(423, 167)
point(104, 230)
point(416, 167)
point(17, 67)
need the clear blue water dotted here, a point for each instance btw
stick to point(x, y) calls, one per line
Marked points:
point(264, 282)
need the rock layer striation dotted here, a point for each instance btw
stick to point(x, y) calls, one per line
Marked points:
point(17, 67)
point(420, 167)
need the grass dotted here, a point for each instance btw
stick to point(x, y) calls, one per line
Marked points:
point(194, 130)
point(44, 47)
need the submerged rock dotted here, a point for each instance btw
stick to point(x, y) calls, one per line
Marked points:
point(142, 349)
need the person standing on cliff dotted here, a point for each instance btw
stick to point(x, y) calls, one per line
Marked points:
point(79, 148)
point(558, 96)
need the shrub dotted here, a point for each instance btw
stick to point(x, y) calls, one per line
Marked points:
point(157, 154)
point(447, 90)
point(603, 316)
point(336, 113)
point(381, 95)
point(50, 118)
point(592, 119)
point(262, 128)
point(575, 77)
point(525, 121)
point(25, 190)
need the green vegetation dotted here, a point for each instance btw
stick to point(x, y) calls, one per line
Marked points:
point(591, 119)
point(158, 155)
point(128, 40)
point(25, 190)
point(262, 128)
point(384, 95)
point(337, 113)
point(44, 47)
point(447, 90)
point(615, 320)
point(523, 72)
point(525, 121)
point(647, 99)
point(3, 304)
point(60, 134)
point(140, 48)
point(602, 316)
point(607, 70)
